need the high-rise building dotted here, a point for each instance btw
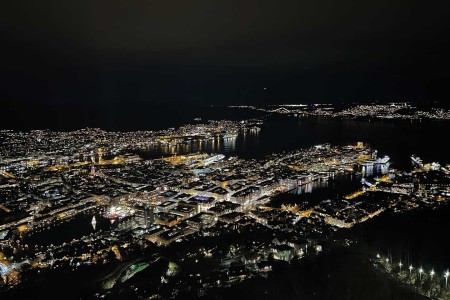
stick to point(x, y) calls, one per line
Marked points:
point(92, 173)
point(144, 216)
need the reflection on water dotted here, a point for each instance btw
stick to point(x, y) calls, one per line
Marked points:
point(340, 180)
point(376, 169)
point(308, 188)
point(216, 145)
point(310, 194)
point(396, 138)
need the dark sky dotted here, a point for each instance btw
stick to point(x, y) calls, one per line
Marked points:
point(87, 59)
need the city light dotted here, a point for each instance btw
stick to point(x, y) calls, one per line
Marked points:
point(380, 111)
point(223, 149)
point(4, 270)
point(131, 202)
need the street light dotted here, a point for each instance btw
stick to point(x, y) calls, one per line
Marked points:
point(420, 273)
point(432, 274)
point(446, 277)
point(400, 265)
point(378, 255)
point(410, 269)
point(387, 260)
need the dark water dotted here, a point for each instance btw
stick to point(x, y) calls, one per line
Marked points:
point(396, 138)
point(68, 230)
point(309, 195)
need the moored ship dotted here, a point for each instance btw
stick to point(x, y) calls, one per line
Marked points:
point(416, 160)
point(383, 160)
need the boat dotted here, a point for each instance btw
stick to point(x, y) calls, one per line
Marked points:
point(94, 222)
point(383, 160)
point(435, 166)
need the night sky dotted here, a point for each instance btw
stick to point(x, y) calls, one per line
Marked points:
point(76, 61)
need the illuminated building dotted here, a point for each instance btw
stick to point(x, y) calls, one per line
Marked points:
point(143, 216)
point(283, 252)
